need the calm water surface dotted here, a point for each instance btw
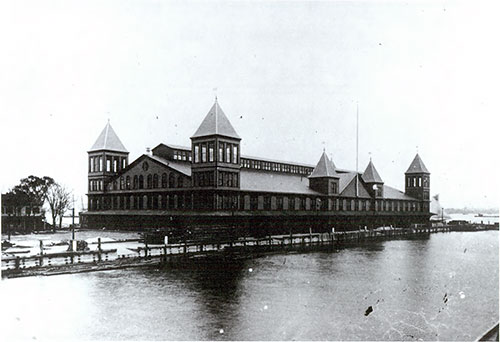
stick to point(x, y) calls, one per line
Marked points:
point(441, 288)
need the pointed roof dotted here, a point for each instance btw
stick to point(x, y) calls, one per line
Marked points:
point(216, 123)
point(371, 175)
point(324, 168)
point(417, 166)
point(108, 140)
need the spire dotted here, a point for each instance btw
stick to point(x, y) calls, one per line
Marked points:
point(216, 123)
point(324, 168)
point(417, 166)
point(371, 175)
point(108, 140)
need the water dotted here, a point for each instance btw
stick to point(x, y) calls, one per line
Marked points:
point(441, 288)
point(475, 219)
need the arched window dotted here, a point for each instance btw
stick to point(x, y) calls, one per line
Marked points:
point(127, 183)
point(171, 181)
point(164, 180)
point(121, 183)
point(141, 182)
point(155, 181)
point(136, 182)
point(179, 182)
point(149, 181)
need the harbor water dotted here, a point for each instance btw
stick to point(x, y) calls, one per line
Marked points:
point(442, 287)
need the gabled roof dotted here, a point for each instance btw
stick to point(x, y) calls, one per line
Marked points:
point(417, 166)
point(324, 168)
point(347, 186)
point(371, 175)
point(216, 123)
point(108, 140)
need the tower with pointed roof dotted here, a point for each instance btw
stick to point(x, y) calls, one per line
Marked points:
point(215, 148)
point(107, 157)
point(417, 180)
point(324, 178)
point(373, 181)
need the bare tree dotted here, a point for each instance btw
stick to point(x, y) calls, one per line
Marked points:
point(59, 199)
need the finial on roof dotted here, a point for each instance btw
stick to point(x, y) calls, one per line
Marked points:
point(108, 120)
point(370, 154)
point(323, 149)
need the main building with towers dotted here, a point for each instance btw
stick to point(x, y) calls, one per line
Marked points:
point(211, 184)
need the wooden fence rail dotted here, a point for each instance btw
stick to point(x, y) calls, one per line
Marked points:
point(241, 246)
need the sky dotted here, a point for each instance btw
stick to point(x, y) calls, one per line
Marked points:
point(289, 75)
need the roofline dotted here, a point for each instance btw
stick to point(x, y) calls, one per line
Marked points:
point(107, 149)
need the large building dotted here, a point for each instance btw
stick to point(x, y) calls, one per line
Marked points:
point(210, 184)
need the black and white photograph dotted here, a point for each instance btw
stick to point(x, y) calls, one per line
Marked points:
point(229, 170)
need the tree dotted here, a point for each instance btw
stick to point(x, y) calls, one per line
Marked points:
point(35, 188)
point(58, 198)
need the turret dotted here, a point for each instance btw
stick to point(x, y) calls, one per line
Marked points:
point(374, 182)
point(107, 157)
point(324, 178)
point(417, 180)
point(215, 149)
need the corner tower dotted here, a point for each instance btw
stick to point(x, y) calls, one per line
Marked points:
point(107, 157)
point(417, 180)
point(215, 147)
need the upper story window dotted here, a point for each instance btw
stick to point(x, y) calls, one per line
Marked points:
point(196, 153)
point(235, 154)
point(228, 153)
point(211, 152)
point(91, 169)
point(221, 152)
point(204, 153)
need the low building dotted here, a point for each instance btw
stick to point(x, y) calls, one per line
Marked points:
point(18, 215)
point(211, 184)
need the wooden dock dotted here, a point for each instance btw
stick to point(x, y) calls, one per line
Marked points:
point(243, 247)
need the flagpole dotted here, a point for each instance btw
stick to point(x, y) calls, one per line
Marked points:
point(357, 147)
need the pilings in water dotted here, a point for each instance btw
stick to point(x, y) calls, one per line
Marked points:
point(244, 247)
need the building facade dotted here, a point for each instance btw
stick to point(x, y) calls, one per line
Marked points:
point(210, 184)
point(18, 215)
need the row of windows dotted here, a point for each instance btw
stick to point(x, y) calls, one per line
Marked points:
point(182, 155)
point(145, 202)
point(153, 181)
point(205, 153)
point(113, 164)
point(202, 179)
point(414, 181)
point(274, 166)
point(96, 185)
point(247, 202)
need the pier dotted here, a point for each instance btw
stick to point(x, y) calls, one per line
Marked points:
point(243, 247)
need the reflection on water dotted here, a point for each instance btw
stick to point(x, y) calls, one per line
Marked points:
point(444, 287)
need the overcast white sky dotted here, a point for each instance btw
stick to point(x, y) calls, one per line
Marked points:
point(288, 76)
